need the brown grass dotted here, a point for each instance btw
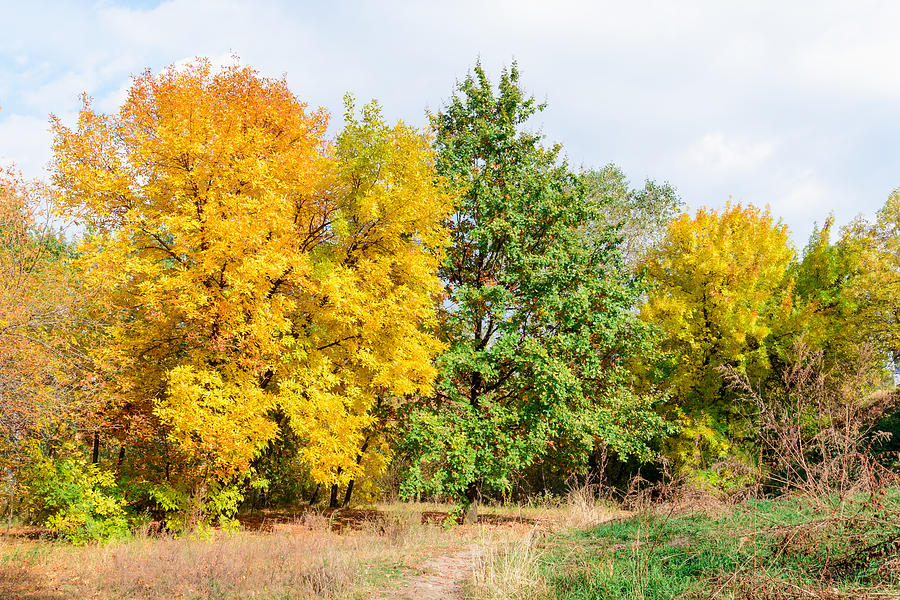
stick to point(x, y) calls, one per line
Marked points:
point(755, 585)
point(303, 558)
point(316, 555)
point(506, 569)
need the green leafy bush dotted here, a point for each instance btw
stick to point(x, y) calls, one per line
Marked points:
point(195, 510)
point(77, 499)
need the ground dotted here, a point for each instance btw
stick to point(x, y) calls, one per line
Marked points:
point(440, 577)
point(785, 549)
point(389, 552)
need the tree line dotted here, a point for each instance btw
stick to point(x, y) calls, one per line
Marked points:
point(253, 313)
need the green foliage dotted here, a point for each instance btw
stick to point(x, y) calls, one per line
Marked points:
point(828, 314)
point(192, 511)
point(286, 474)
point(876, 289)
point(643, 214)
point(539, 314)
point(78, 500)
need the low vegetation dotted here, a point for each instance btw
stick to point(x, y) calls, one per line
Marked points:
point(789, 548)
point(578, 547)
point(276, 556)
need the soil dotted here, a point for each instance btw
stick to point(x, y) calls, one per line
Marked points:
point(440, 577)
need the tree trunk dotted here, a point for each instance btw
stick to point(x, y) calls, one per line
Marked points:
point(315, 496)
point(95, 453)
point(472, 495)
point(333, 501)
point(348, 494)
point(122, 457)
point(359, 458)
point(12, 496)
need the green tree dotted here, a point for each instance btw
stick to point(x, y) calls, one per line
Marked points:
point(643, 214)
point(537, 316)
point(828, 313)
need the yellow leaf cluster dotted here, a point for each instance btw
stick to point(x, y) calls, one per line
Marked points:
point(720, 284)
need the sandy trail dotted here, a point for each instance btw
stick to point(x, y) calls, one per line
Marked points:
point(440, 578)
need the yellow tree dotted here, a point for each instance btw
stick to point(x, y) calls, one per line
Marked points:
point(720, 288)
point(252, 267)
point(876, 290)
point(359, 333)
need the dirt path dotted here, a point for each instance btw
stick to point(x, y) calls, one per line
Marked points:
point(440, 578)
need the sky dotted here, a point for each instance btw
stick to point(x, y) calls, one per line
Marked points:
point(794, 105)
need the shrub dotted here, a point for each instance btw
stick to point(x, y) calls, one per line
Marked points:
point(816, 427)
point(78, 500)
point(193, 510)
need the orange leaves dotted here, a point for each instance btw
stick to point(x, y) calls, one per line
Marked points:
point(37, 303)
point(250, 264)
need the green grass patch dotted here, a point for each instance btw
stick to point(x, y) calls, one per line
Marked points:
point(789, 548)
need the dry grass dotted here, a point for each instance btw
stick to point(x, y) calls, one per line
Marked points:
point(754, 585)
point(313, 556)
point(585, 507)
point(506, 569)
point(299, 559)
point(241, 565)
point(815, 427)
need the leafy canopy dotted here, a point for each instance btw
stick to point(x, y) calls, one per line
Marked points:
point(42, 389)
point(877, 289)
point(720, 290)
point(538, 313)
point(251, 267)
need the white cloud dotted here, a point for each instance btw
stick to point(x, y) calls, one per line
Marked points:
point(856, 53)
point(46, 98)
point(25, 143)
point(804, 199)
point(112, 101)
point(716, 154)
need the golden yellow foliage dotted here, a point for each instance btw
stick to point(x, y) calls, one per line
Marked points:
point(252, 266)
point(877, 290)
point(720, 286)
